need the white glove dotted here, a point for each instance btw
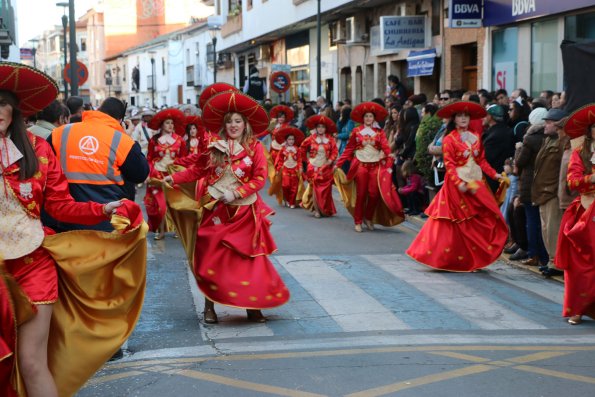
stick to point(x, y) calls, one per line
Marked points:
point(228, 196)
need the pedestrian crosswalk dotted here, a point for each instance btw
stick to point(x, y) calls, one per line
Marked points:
point(390, 293)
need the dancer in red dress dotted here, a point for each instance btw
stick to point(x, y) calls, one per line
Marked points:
point(465, 230)
point(194, 131)
point(283, 116)
point(289, 163)
point(320, 150)
point(231, 262)
point(575, 252)
point(368, 151)
point(31, 179)
point(165, 147)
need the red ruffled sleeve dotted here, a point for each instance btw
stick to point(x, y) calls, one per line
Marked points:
point(259, 172)
point(576, 178)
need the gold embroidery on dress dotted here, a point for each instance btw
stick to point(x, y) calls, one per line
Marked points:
point(320, 158)
point(229, 182)
point(369, 154)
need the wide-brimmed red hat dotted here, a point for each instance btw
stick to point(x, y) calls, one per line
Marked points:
point(313, 121)
point(170, 113)
point(474, 110)
point(286, 110)
point(34, 89)
point(358, 112)
point(214, 89)
point(283, 133)
point(579, 121)
point(235, 102)
point(196, 120)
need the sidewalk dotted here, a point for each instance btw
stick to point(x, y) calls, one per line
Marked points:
point(504, 257)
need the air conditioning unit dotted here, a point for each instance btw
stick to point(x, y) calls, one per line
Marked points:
point(355, 30)
point(337, 29)
point(263, 53)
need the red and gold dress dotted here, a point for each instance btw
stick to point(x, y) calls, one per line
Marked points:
point(575, 252)
point(464, 231)
point(22, 234)
point(289, 163)
point(163, 151)
point(276, 147)
point(231, 262)
point(368, 150)
point(319, 151)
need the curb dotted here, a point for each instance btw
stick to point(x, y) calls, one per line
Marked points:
point(504, 257)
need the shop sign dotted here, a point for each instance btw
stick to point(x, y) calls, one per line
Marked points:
point(501, 12)
point(505, 76)
point(398, 33)
point(421, 63)
point(465, 13)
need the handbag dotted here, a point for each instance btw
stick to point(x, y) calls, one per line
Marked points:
point(439, 172)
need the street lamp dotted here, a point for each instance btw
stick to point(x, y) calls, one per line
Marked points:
point(152, 78)
point(64, 25)
point(214, 23)
point(34, 50)
point(213, 33)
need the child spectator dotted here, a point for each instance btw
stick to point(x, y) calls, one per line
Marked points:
point(413, 191)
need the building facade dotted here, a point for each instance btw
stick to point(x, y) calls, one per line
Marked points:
point(523, 41)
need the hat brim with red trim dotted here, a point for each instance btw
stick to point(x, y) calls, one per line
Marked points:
point(286, 110)
point(212, 90)
point(313, 121)
point(358, 112)
point(474, 110)
point(196, 120)
point(34, 89)
point(579, 121)
point(283, 133)
point(174, 114)
point(221, 104)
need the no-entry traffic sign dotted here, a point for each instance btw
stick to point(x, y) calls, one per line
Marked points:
point(81, 70)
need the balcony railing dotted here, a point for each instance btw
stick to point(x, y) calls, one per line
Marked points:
point(233, 25)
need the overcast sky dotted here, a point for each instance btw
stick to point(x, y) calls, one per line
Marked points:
point(35, 16)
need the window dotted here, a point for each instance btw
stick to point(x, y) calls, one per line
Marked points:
point(83, 44)
point(544, 56)
point(162, 66)
point(504, 59)
point(210, 53)
point(235, 8)
point(580, 28)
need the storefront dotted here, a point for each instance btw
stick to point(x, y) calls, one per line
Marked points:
point(524, 41)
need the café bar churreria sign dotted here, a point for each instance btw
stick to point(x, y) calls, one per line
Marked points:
point(501, 12)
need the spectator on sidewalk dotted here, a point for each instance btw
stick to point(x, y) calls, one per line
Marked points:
point(75, 105)
point(544, 192)
point(413, 191)
point(525, 163)
point(497, 141)
point(255, 85)
point(48, 119)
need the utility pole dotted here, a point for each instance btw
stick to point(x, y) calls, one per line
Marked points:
point(318, 54)
point(74, 80)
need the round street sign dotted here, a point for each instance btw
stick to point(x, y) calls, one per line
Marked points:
point(81, 70)
point(280, 82)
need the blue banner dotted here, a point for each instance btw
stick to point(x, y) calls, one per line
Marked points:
point(421, 63)
point(501, 12)
point(465, 13)
point(397, 33)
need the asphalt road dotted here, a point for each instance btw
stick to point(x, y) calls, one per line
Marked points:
point(364, 320)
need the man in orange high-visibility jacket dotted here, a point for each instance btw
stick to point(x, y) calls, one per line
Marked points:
point(99, 160)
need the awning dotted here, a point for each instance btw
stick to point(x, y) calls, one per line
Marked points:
point(421, 63)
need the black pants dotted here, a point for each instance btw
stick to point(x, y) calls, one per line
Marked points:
point(518, 226)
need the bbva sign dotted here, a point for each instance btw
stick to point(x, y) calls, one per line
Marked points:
point(520, 7)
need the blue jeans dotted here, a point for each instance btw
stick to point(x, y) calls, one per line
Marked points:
point(534, 236)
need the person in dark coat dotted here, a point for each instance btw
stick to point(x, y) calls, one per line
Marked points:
point(497, 141)
point(525, 164)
